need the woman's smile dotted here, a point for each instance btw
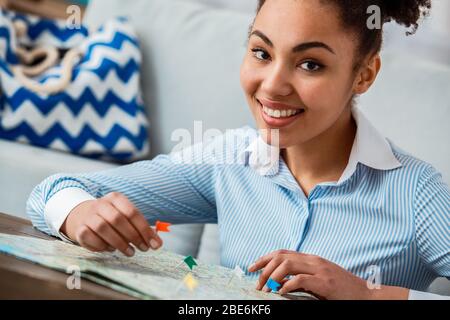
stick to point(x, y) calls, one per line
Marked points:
point(278, 115)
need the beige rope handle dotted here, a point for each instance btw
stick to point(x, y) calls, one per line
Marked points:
point(67, 65)
point(51, 56)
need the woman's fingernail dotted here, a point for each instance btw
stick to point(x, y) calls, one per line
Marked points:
point(251, 267)
point(143, 247)
point(129, 251)
point(154, 244)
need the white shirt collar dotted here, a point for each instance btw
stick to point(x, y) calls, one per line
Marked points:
point(262, 157)
point(369, 148)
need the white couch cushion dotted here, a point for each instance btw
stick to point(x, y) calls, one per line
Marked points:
point(22, 167)
point(248, 6)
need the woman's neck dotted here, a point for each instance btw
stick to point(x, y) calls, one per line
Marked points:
point(325, 157)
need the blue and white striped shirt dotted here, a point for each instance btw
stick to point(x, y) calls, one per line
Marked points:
point(388, 209)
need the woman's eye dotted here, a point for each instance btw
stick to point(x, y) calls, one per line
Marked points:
point(260, 54)
point(311, 66)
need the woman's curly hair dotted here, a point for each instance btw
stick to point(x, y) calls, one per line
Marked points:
point(354, 17)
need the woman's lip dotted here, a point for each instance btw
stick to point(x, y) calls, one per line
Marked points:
point(277, 105)
point(278, 122)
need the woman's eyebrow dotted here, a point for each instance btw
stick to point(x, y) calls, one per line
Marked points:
point(263, 37)
point(301, 47)
point(313, 44)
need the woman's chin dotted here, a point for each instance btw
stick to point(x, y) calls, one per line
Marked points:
point(275, 137)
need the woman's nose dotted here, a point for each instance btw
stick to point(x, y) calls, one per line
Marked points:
point(277, 82)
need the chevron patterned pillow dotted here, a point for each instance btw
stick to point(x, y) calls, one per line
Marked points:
point(71, 89)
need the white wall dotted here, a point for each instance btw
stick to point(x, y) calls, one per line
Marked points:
point(241, 5)
point(432, 41)
point(440, 19)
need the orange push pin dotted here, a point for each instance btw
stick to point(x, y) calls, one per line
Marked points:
point(162, 226)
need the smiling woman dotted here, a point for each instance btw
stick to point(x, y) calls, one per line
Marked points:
point(316, 211)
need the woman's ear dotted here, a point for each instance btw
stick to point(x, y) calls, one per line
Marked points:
point(367, 74)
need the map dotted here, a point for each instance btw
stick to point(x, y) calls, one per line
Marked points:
point(148, 275)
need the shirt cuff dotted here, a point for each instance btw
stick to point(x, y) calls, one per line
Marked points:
point(419, 295)
point(60, 205)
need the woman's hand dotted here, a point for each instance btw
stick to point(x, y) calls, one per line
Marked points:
point(317, 276)
point(110, 223)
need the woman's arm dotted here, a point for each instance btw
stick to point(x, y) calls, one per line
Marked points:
point(432, 222)
point(178, 188)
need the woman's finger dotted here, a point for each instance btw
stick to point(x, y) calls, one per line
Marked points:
point(301, 282)
point(292, 265)
point(264, 260)
point(121, 224)
point(89, 240)
point(105, 231)
point(278, 275)
point(267, 272)
point(136, 218)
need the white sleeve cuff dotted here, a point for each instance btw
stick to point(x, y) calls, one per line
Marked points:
point(60, 205)
point(419, 295)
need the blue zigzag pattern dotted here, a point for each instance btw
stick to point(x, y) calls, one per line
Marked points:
point(124, 73)
point(47, 105)
point(4, 67)
point(116, 43)
point(10, 55)
point(62, 33)
point(122, 19)
point(75, 143)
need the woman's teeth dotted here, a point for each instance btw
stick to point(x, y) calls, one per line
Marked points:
point(276, 113)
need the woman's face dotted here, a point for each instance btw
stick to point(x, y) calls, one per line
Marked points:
point(297, 73)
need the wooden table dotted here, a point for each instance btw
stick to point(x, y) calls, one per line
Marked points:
point(24, 280)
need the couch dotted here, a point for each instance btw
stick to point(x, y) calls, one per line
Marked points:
point(192, 54)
